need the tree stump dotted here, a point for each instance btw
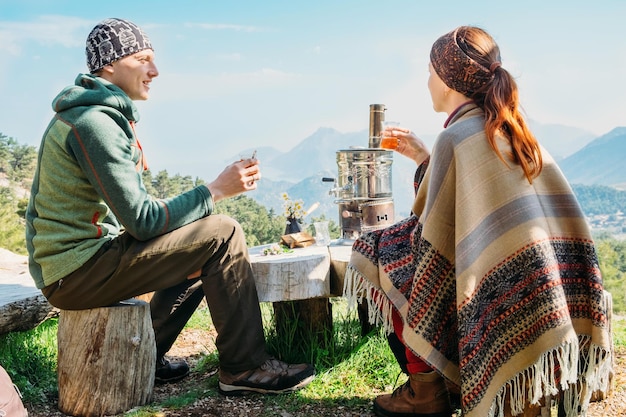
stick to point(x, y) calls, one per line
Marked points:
point(305, 322)
point(106, 360)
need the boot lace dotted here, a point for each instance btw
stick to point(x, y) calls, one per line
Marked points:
point(402, 388)
point(274, 366)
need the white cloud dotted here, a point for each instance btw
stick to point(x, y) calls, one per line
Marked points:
point(275, 74)
point(225, 26)
point(168, 88)
point(8, 42)
point(235, 57)
point(46, 30)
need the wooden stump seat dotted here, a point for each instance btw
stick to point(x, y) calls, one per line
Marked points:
point(106, 360)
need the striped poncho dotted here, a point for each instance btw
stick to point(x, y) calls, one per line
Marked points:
point(496, 279)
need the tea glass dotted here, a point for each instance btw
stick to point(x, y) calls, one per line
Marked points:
point(389, 142)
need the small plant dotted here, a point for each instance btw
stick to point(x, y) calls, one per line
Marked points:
point(293, 209)
point(276, 249)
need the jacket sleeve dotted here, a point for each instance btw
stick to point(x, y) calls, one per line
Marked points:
point(106, 149)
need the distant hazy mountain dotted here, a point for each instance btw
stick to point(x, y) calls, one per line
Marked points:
point(561, 141)
point(314, 155)
point(601, 162)
point(317, 153)
point(299, 171)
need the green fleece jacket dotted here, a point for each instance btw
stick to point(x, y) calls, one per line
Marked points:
point(88, 187)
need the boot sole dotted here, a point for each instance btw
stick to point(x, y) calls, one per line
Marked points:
point(236, 390)
point(381, 412)
point(162, 381)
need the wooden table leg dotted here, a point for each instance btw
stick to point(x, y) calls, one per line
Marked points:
point(305, 321)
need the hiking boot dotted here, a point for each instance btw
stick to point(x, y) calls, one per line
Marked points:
point(272, 377)
point(167, 371)
point(423, 395)
point(454, 391)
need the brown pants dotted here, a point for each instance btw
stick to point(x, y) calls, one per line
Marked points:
point(126, 267)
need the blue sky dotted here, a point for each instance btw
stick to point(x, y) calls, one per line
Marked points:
point(236, 75)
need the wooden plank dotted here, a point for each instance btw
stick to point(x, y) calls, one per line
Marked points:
point(16, 282)
point(22, 305)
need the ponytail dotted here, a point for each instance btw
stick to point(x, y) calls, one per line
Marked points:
point(502, 115)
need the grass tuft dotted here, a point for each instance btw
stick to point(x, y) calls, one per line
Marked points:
point(30, 359)
point(618, 325)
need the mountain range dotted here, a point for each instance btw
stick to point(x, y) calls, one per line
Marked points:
point(600, 162)
point(583, 157)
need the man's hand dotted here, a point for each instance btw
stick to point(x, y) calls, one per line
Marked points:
point(236, 178)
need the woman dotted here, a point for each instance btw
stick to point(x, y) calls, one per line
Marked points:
point(491, 289)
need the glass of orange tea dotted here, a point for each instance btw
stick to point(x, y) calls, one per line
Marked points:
point(387, 141)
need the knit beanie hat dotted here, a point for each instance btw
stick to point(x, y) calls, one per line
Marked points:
point(113, 39)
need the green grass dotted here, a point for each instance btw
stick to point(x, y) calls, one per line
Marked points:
point(30, 359)
point(351, 369)
point(618, 324)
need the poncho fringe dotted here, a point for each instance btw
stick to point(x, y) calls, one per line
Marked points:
point(536, 383)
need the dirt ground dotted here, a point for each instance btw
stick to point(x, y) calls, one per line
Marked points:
point(192, 343)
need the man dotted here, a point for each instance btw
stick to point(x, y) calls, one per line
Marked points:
point(95, 236)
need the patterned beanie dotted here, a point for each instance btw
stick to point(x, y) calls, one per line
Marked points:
point(456, 68)
point(113, 39)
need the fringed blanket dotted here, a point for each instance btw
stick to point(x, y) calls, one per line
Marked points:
point(497, 280)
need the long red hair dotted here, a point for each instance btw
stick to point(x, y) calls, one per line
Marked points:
point(500, 101)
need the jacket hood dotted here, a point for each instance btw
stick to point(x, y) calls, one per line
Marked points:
point(89, 90)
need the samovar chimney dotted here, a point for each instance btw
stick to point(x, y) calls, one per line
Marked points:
point(377, 117)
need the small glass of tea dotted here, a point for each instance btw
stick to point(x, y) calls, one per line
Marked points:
point(388, 141)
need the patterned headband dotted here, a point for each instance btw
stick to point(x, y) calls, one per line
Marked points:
point(456, 69)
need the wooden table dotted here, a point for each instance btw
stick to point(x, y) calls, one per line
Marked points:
point(299, 284)
point(300, 274)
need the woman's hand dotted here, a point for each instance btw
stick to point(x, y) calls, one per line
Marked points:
point(235, 179)
point(409, 144)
